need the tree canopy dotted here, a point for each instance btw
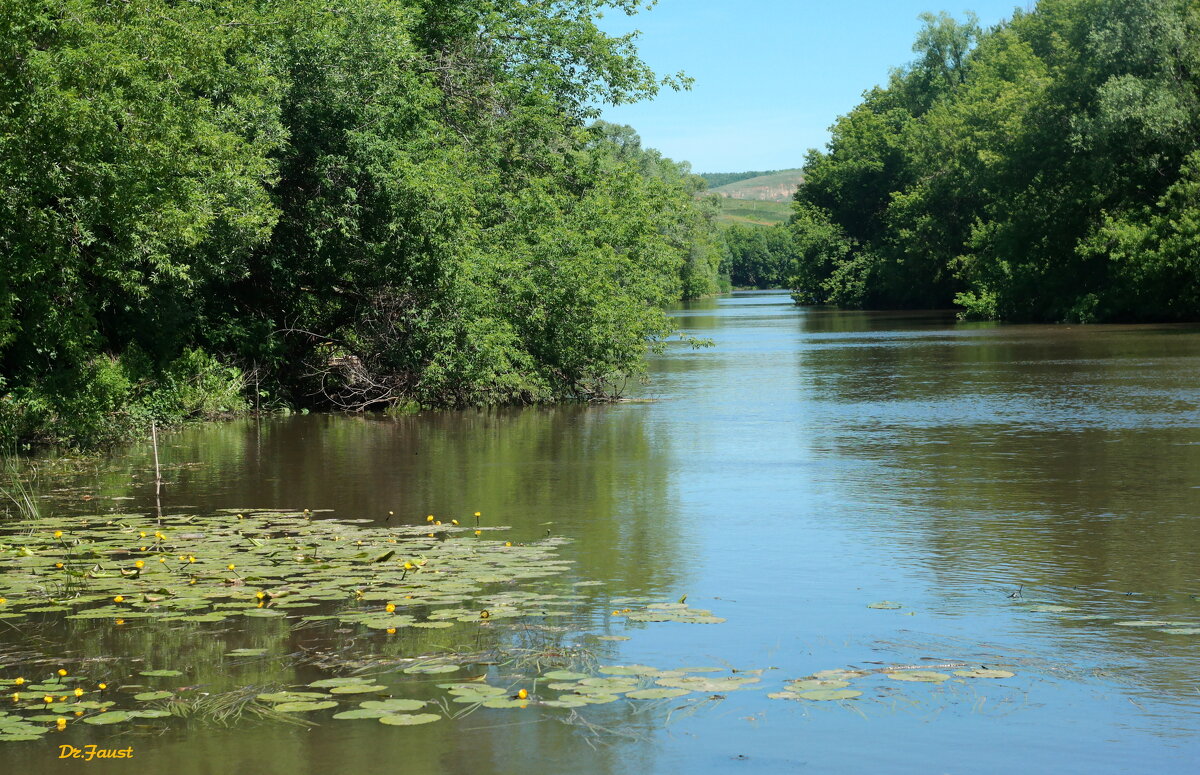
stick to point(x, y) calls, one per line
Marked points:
point(1045, 169)
point(356, 204)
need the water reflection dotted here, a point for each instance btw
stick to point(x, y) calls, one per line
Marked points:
point(810, 463)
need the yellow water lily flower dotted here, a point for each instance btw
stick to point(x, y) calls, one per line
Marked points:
point(61, 723)
point(19, 681)
point(119, 599)
point(58, 564)
point(139, 564)
point(454, 522)
point(120, 621)
point(391, 630)
point(429, 518)
point(102, 686)
point(58, 534)
point(47, 699)
point(478, 532)
point(79, 692)
point(62, 673)
point(390, 607)
point(230, 566)
point(508, 543)
point(16, 697)
point(523, 695)
point(484, 614)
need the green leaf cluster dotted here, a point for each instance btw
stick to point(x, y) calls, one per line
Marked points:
point(1044, 169)
point(353, 204)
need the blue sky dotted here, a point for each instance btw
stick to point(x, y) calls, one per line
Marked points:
point(771, 75)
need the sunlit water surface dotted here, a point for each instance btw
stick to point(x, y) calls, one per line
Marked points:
point(808, 464)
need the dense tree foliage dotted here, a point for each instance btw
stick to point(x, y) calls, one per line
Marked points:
point(1047, 169)
point(758, 256)
point(352, 203)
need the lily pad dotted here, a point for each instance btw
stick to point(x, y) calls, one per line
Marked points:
point(984, 672)
point(111, 717)
point(358, 713)
point(408, 719)
point(393, 705)
point(161, 673)
point(926, 676)
point(358, 689)
point(147, 696)
point(304, 707)
point(885, 605)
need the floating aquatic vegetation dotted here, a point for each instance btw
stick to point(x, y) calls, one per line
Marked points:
point(657, 694)
point(305, 707)
point(926, 676)
point(408, 719)
point(884, 604)
point(984, 672)
point(669, 612)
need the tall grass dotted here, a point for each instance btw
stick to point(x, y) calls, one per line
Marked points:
point(18, 492)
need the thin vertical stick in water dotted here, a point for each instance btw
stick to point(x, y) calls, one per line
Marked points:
point(157, 471)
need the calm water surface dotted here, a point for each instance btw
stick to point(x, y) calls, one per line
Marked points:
point(812, 462)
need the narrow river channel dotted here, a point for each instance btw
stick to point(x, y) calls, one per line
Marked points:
point(847, 490)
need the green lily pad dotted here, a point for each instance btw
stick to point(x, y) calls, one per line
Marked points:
point(563, 675)
point(111, 717)
point(885, 605)
point(408, 719)
point(326, 683)
point(147, 696)
point(393, 705)
point(361, 713)
point(303, 707)
point(161, 673)
point(358, 689)
point(150, 713)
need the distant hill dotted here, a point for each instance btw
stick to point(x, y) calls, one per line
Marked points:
point(771, 187)
point(715, 179)
point(753, 212)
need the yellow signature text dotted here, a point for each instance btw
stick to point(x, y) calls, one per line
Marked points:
point(89, 752)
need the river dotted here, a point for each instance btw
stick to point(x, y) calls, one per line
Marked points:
point(1027, 496)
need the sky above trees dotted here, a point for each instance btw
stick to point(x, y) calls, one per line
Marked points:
point(771, 76)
